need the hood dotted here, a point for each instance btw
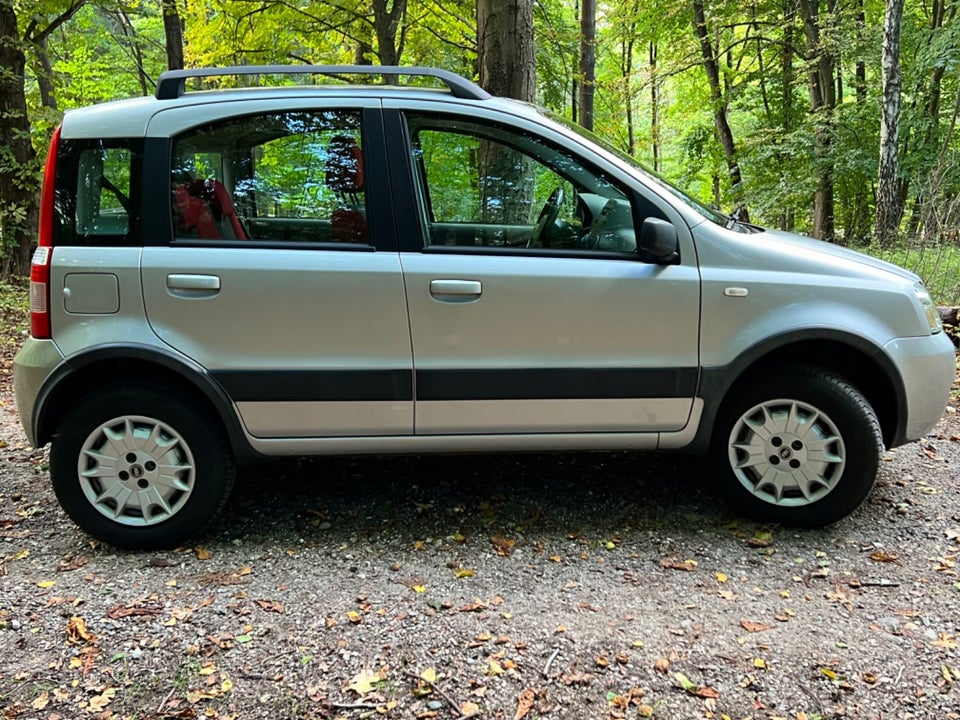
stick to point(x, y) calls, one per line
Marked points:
point(790, 241)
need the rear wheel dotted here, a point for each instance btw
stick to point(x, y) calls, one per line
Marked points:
point(801, 446)
point(140, 466)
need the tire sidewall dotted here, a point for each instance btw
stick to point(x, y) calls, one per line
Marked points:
point(213, 468)
point(856, 423)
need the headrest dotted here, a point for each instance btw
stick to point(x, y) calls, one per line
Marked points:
point(344, 165)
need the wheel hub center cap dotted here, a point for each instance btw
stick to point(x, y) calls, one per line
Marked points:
point(785, 453)
point(136, 471)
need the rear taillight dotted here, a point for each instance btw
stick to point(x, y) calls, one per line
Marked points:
point(40, 267)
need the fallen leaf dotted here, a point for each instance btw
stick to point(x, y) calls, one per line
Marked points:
point(525, 703)
point(946, 640)
point(203, 554)
point(462, 572)
point(99, 702)
point(430, 675)
point(880, 556)
point(469, 708)
point(672, 563)
point(761, 540)
point(71, 563)
point(271, 606)
point(494, 668)
point(685, 682)
point(661, 665)
point(754, 627)
point(41, 701)
point(44, 584)
point(502, 545)
point(77, 632)
point(354, 617)
point(721, 577)
point(363, 682)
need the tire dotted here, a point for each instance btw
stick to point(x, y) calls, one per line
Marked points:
point(140, 466)
point(801, 447)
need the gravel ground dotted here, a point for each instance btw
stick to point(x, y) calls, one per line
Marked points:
point(575, 586)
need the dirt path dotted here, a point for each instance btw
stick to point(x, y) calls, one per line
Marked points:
point(577, 586)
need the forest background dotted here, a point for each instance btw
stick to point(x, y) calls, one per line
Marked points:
point(833, 118)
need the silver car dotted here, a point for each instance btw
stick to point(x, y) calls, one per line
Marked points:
point(318, 269)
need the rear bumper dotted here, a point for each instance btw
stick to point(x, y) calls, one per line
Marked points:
point(31, 368)
point(928, 367)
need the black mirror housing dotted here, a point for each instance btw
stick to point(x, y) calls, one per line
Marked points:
point(659, 242)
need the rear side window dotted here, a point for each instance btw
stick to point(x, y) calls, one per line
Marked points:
point(98, 197)
point(288, 177)
point(103, 192)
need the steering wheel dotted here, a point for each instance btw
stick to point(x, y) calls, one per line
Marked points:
point(548, 216)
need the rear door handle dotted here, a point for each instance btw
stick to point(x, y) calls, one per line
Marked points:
point(456, 290)
point(184, 281)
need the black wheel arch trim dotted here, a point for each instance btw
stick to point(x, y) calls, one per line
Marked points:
point(190, 372)
point(716, 381)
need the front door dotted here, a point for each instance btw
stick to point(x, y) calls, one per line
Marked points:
point(530, 308)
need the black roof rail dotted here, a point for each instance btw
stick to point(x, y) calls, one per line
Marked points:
point(171, 84)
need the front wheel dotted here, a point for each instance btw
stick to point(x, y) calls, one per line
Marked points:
point(801, 447)
point(139, 466)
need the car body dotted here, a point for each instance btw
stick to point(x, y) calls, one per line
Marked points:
point(316, 269)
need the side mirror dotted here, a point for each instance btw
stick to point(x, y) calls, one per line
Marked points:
point(659, 242)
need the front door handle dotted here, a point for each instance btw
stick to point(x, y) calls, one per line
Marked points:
point(456, 290)
point(185, 281)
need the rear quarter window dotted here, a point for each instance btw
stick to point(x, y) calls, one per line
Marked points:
point(98, 192)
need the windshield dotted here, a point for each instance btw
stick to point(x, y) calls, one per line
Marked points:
point(707, 212)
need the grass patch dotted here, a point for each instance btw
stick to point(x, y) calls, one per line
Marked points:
point(14, 312)
point(937, 265)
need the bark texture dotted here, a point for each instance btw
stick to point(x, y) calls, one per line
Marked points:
point(889, 205)
point(711, 66)
point(18, 185)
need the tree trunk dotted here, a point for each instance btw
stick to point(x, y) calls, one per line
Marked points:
point(823, 100)
point(505, 55)
point(173, 32)
point(627, 75)
point(18, 171)
point(654, 108)
point(889, 206)
point(505, 48)
point(388, 26)
point(588, 61)
point(44, 73)
point(718, 100)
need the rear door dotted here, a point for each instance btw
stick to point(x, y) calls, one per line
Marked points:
point(273, 274)
point(530, 309)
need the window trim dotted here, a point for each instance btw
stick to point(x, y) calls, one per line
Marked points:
point(381, 229)
point(67, 178)
point(459, 124)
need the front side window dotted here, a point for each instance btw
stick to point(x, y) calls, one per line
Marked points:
point(291, 176)
point(485, 185)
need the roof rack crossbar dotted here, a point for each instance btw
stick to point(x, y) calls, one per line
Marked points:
point(171, 84)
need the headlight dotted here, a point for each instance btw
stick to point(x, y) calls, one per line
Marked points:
point(929, 309)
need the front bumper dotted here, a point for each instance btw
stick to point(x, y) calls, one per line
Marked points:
point(31, 368)
point(928, 367)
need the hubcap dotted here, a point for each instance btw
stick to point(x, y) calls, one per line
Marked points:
point(136, 470)
point(786, 452)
